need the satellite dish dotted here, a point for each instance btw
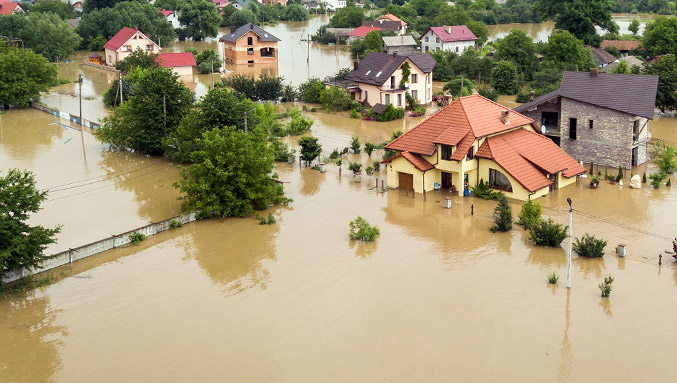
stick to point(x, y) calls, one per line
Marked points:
point(543, 129)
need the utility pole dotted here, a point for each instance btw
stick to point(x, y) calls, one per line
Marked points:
point(164, 111)
point(461, 94)
point(80, 97)
point(569, 248)
point(120, 86)
point(245, 122)
point(58, 78)
point(308, 44)
point(212, 73)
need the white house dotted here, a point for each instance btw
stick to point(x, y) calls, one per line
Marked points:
point(455, 38)
point(172, 17)
point(336, 4)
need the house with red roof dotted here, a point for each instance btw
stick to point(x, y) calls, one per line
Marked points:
point(390, 17)
point(125, 42)
point(361, 32)
point(10, 8)
point(182, 63)
point(456, 38)
point(474, 139)
point(172, 17)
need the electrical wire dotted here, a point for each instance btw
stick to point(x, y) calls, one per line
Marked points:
point(62, 187)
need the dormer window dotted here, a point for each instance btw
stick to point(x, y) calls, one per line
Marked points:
point(446, 152)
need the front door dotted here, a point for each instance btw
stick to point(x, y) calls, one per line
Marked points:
point(634, 156)
point(446, 180)
point(406, 181)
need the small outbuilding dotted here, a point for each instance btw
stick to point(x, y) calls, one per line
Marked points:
point(402, 45)
point(182, 63)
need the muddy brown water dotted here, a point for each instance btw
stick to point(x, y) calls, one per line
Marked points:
point(436, 297)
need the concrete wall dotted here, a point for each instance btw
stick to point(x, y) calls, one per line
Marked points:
point(238, 52)
point(608, 143)
point(97, 247)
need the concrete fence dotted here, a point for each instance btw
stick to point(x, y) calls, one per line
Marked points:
point(116, 240)
point(67, 116)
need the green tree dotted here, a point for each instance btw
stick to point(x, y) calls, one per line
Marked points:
point(634, 26)
point(580, 17)
point(91, 5)
point(547, 233)
point(621, 68)
point(242, 17)
point(564, 50)
point(348, 17)
point(23, 76)
point(504, 77)
point(666, 70)
point(268, 88)
point(530, 214)
point(218, 108)
point(295, 12)
point(519, 48)
point(230, 175)
point(310, 149)
point(660, 36)
point(112, 95)
point(21, 245)
point(107, 22)
point(453, 87)
point(371, 43)
point(172, 5)
point(244, 85)
point(45, 33)
point(158, 103)
point(480, 30)
point(199, 19)
point(311, 90)
point(298, 124)
point(64, 10)
point(137, 59)
point(504, 220)
point(206, 61)
point(335, 99)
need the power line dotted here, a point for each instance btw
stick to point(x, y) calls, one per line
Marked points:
point(62, 188)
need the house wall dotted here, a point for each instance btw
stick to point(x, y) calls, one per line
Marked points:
point(609, 142)
point(237, 53)
point(376, 94)
point(174, 20)
point(402, 50)
point(184, 70)
point(536, 113)
point(139, 40)
point(518, 191)
point(433, 45)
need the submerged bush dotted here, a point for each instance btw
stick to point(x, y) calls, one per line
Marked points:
point(548, 233)
point(482, 190)
point(504, 220)
point(361, 230)
point(589, 246)
point(605, 287)
point(530, 214)
point(553, 278)
point(136, 238)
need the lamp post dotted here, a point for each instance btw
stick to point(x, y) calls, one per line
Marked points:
point(569, 248)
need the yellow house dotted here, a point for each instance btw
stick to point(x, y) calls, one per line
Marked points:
point(126, 41)
point(378, 79)
point(474, 139)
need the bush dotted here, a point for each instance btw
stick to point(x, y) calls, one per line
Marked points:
point(289, 93)
point(368, 148)
point(281, 151)
point(530, 215)
point(619, 176)
point(376, 165)
point(548, 233)
point(522, 97)
point(605, 287)
point(657, 179)
point(504, 220)
point(173, 224)
point(355, 145)
point(644, 177)
point(589, 246)
point(488, 93)
point(485, 192)
point(553, 278)
point(390, 113)
point(335, 99)
point(298, 124)
point(136, 238)
point(504, 77)
point(369, 170)
point(355, 167)
point(334, 154)
point(361, 230)
point(311, 90)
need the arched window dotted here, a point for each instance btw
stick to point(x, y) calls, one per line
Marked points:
point(498, 180)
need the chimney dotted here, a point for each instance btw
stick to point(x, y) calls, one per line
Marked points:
point(448, 29)
point(505, 116)
point(593, 72)
point(232, 29)
point(532, 95)
point(356, 64)
point(395, 54)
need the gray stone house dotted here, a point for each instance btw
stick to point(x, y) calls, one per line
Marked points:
point(599, 118)
point(402, 45)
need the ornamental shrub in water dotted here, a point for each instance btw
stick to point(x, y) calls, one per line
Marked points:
point(361, 230)
point(530, 214)
point(589, 246)
point(548, 233)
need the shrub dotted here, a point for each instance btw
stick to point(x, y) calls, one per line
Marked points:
point(355, 145)
point(334, 154)
point(390, 113)
point(289, 93)
point(361, 230)
point(605, 287)
point(522, 97)
point(644, 178)
point(355, 167)
point(136, 238)
point(548, 233)
point(335, 99)
point(530, 214)
point(281, 150)
point(669, 183)
point(271, 219)
point(657, 179)
point(619, 176)
point(553, 278)
point(589, 246)
point(504, 220)
point(488, 93)
point(368, 148)
point(369, 170)
point(485, 192)
point(173, 224)
point(298, 124)
point(376, 165)
point(355, 114)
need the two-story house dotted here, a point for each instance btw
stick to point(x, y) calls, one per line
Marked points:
point(10, 8)
point(600, 118)
point(389, 16)
point(456, 38)
point(125, 42)
point(172, 17)
point(249, 44)
point(473, 139)
point(386, 25)
point(377, 79)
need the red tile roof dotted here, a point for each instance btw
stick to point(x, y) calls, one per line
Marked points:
point(122, 37)
point(362, 31)
point(165, 12)
point(8, 7)
point(472, 114)
point(390, 16)
point(621, 45)
point(528, 157)
point(171, 60)
point(419, 162)
point(453, 33)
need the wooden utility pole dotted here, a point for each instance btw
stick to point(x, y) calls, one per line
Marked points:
point(212, 73)
point(80, 97)
point(164, 111)
point(308, 44)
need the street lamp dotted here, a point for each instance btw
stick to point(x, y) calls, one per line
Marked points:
point(569, 248)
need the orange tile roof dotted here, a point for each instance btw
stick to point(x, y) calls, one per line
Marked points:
point(390, 16)
point(419, 162)
point(463, 147)
point(528, 157)
point(621, 45)
point(474, 114)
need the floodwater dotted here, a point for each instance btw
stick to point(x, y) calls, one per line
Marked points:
point(437, 297)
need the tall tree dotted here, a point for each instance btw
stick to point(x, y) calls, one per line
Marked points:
point(63, 10)
point(199, 19)
point(504, 77)
point(348, 17)
point(21, 245)
point(92, 5)
point(566, 51)
point(666, 70)
point(634, 26)
point(45, 33)
point(153, 111)
point(23, 75)
point(660, 36)
point(242, 17)
point(230, 175)
point(518, 48)
point(579, 17)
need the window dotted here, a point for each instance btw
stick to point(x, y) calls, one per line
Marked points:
point(149, 47)
point(414, 94)
point(366, 94)
point(250, 40)
point(427, 39)
point(392, 82)
point(250, 51)
point(387, 99)
point(471, 153)
point(437, 40)
point(399, 100)
point(498, 180)
point(572, 128)
point(590, 122)
point(446, 152)
point(414, 78)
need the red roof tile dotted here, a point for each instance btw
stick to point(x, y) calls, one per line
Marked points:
point(165, 12)
point(419, 162)
point(463, 147)
point(122, 37)
point(390, 16)
point(171, 60)
point(362, 31)
point(621, 45)
point(453, 33)
point(8, 7)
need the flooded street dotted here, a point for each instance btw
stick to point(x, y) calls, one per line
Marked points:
point(437, 297)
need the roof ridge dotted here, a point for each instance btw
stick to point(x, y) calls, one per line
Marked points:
point(465, 113)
